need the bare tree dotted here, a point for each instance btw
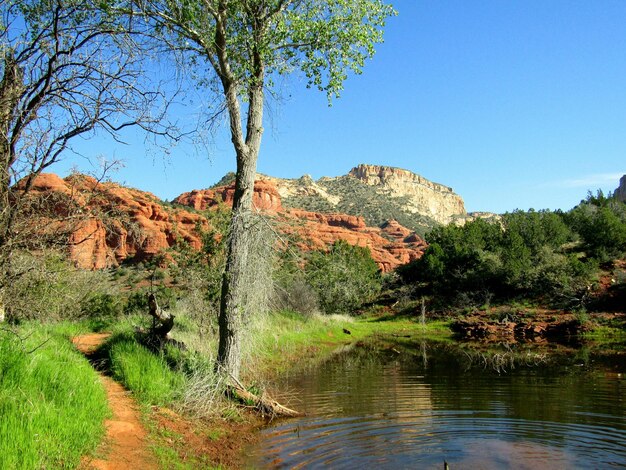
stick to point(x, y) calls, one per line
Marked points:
point(67, 69)
point(239, 47)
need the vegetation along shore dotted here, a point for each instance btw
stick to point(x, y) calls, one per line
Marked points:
point(137, 332)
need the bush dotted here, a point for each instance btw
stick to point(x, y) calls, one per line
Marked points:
point(102, 306)
point(344, 278)
point(601, 224)
point(525, 255)
point(46, 287)
point(297, 296)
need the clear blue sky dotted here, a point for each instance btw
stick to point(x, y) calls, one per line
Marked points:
point(514, 104)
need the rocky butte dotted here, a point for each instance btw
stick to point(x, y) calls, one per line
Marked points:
point(422, 196)
point(378, 194)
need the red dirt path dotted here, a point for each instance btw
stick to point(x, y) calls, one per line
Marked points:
point(125, 445)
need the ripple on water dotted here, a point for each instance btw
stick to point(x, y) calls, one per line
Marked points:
point(423, 441)
point(394, 414)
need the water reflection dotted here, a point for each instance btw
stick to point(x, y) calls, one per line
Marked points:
point(413, 407)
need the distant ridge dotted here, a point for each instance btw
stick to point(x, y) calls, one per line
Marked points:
point(377, 193)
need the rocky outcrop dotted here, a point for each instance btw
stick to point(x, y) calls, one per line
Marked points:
point(391, 245)
point(564, 329)
point(109, 223)
point(265, 197)
point(620, 192)
point(106, 224)
point(422, 196)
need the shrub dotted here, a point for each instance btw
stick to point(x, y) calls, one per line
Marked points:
point(297, 296)
point(102, 305)
point(344, 278)
point(601, 224)
point(525, 255)
point(46, 287)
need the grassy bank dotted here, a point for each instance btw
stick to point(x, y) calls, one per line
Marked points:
point(279, 342)
point(192, 424)
point(294, 342)
point(52, 405)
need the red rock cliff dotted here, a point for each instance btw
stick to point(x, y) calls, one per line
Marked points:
point(390, 246)
point(112, 223)
point(119, 223)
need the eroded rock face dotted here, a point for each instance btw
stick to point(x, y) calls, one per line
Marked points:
point(265, 197)
point(422, 196)
point(110, 223)
point(113, 223)
point(620, 192)
point(389, 248)
point(391, 245)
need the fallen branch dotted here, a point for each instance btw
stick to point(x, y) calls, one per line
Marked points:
point(266, 406)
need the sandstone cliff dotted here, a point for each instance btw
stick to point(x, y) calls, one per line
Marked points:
point(108, 223)
point(420, 195)
point(620, 192)
point(376, 193)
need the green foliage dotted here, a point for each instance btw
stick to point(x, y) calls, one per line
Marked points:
point(137, 301)
point(102, 305)
point(51, 402)
point(323, 40)
point(344, 278)
point(526, 255)
point(601, 224)
point(146, 374)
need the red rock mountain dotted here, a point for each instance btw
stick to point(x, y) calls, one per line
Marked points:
point(391, 245)
point(118, 223)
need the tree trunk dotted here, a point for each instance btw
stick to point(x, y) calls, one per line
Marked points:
point(233, 315)
point(11, 87)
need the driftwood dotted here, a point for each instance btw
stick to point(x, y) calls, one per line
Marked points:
point(157, 337)
point(163, 321)
point(266, 406)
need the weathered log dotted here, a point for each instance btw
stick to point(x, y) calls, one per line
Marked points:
point(266, 406)
point(164, 321)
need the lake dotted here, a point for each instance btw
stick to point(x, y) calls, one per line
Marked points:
point(421, 403)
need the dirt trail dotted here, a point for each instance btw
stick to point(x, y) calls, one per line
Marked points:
point(125, 445)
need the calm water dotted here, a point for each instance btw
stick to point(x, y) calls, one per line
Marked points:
point(416, 406)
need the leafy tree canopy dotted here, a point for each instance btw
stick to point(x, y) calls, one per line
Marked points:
point(323, 39)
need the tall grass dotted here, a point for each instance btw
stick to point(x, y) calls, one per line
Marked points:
point(52, 404)
point(146, 374)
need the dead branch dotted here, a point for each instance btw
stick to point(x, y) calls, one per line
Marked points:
point(264, 405)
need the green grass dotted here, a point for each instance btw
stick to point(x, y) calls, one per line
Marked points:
point(604, 333)
point(143, 372)
point(52, 404)
point(291, 340)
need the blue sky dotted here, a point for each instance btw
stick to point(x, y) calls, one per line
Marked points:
point(514, 104)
